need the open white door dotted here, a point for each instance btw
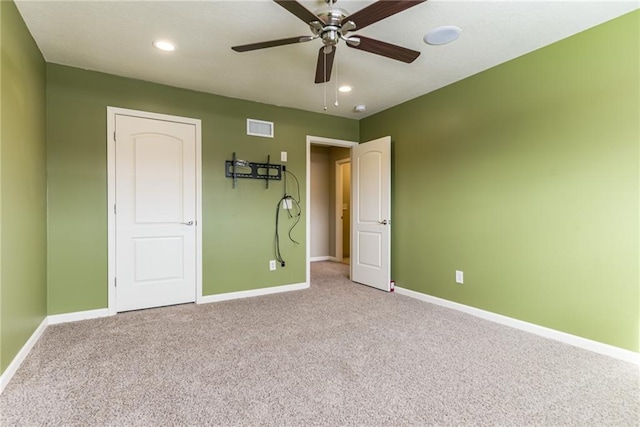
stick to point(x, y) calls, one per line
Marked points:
point(371, 214)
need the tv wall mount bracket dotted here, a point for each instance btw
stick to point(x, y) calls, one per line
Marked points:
point(237, 168)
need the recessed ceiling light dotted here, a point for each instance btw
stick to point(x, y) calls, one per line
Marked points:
point(165, 45)
point(344, 88)
point(442, 35)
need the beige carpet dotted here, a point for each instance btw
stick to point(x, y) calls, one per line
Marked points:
point(335, 354)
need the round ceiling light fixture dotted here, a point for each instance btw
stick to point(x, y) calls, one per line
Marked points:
point(345, 89)
point(442, 35)
point(164, 45)
point(359, 108)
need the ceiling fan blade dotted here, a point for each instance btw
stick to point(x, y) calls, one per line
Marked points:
point(380, 10)
point(325, 64)
point(271, 43)
point(299, 10)
point(384, 49)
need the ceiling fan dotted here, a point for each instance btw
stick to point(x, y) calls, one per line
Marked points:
point(331, 24)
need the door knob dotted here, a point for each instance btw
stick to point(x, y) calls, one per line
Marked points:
point(187, 223)
point(384, 222)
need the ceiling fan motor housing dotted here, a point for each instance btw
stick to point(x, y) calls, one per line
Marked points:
point(331, 16)
point(330, 29)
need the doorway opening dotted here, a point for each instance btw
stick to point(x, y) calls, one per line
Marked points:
point(325, 214)
point(370, 245)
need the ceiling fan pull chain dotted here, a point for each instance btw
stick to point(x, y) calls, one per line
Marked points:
point(336, 78)
point(325, 97)
point(324, 86)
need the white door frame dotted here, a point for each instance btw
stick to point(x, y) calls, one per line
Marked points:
point(111, 195)
point(317, 140)
point(339, 211)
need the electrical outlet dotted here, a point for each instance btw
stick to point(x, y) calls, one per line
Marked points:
point(283, 156)
point(459, 277)
point(287, 204)
point(272, 265)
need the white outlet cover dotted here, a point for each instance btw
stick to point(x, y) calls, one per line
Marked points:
point(287, 204)
point(272, 265)
point(459, 276)
point(283, 156)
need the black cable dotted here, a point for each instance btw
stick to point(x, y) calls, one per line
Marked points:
point(295, 202)
point(276, 241)
point(296, 221)
point(297, 185)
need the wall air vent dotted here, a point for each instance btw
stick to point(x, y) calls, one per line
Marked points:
point(259, 128)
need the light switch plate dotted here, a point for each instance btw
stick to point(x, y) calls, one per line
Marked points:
point(459, 277)
point(283, 156)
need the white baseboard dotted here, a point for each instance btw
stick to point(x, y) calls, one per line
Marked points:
point(584, 343)
point(324, 258)
point(251, 293)
point(78, 315)
point(22, 355)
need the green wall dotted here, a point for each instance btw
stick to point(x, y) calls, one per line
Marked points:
point(238, 224)
point(23, 289)
point(526, 178)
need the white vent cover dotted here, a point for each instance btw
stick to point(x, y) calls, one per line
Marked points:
point(259, 128)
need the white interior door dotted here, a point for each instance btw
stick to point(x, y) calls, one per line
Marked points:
point(155, 212)
point(371, 213)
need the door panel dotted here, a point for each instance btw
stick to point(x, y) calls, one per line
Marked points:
point(158, 258)
point(156, 212)
point(371, 232)
point(369, 245)
point(158, 196)
point(370, 194)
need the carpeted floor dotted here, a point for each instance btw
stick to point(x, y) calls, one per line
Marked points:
point(336, 354)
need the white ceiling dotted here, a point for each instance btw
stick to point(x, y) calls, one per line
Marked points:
point(115, 37)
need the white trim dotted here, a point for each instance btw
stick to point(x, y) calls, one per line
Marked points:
point(111, 195)
point(317, 140)
point(576, 341)
point(252, 293)
point(76, 316)
point(22, 355)
point(339, 240)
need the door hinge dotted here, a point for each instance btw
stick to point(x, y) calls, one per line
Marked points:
point(114, 209)
point(115, 282)
point(114, 135)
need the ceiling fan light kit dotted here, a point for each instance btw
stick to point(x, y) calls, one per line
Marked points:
point(331, 24)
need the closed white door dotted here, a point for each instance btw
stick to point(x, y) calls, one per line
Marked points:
point(371, 215)
point(155, 212)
